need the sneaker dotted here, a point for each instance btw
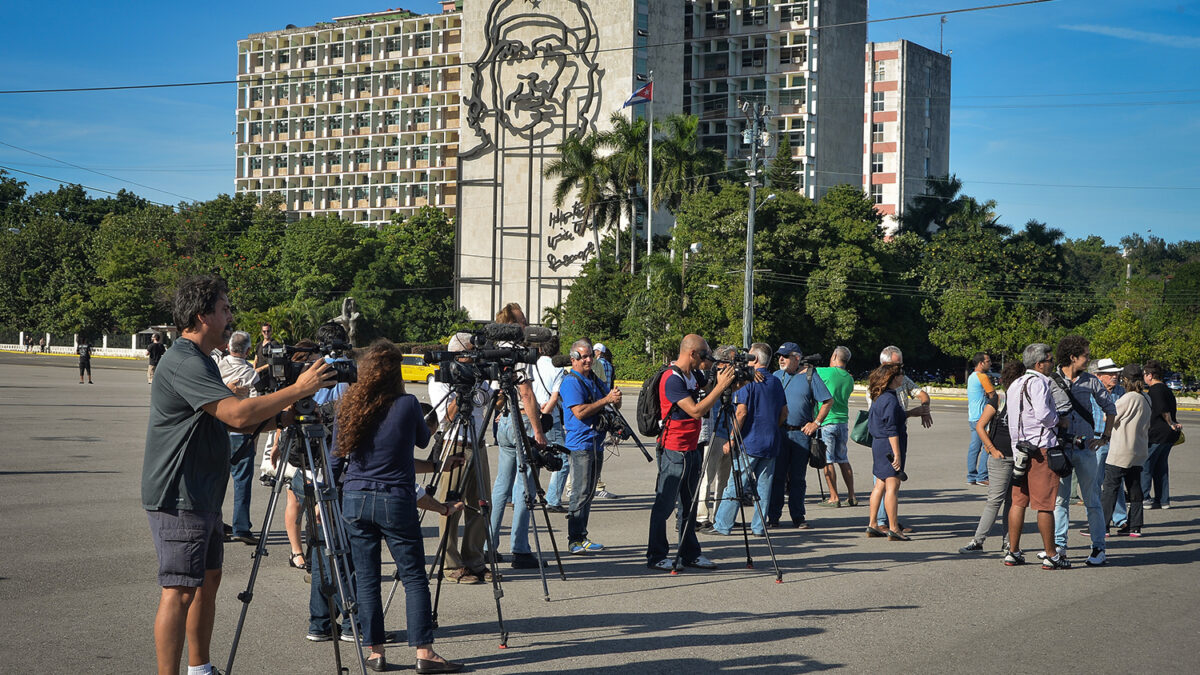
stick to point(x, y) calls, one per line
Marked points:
point(525, 561)
point(591, 546)
point(982, 482)
point(701, 562)
point(1014, 558)
point(1059, 551)
point(319, 637)
point(1135, 533)
point(346, 637)
point(1123, 529)
point(1166, 506)
point(664, 565)
point(602, 493)
point(975, 545)
point(773, 525)
point(801, 525)
point(830, 503)
point(585, 546)
point(555, 508)
point(1096, 559)
point(1058, 562)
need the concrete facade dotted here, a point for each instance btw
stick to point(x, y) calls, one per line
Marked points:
point(535, 73)
point(906, 126)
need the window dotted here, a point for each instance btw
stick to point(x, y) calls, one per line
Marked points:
point(281, 92)
point(877, 162)
point(309, 53)
point(421, 79)
point(877, 194)
point(881, 71)
point(336, 87)
point(877, 133)
point(306, 195)
point(256, 128)
point(337, 51)
point(360, 193)
point(392, 44)
point(335, 123)
point(391, 156)
point(421, 153)
point(877, 101)
point(256, 94)
point(281, 126)
point(421, 116)
point(388, 193)
point(280, 162)
point(307, 89)
point(797, 11)
point(392, 118)
point(928, 79)
point(306, 160)
point(308, 124)
point(256, 163)
point(364, 84)
point(284, 58)
point(362, 157)
point(333, 159)
point(364, 48)
point(424, 41)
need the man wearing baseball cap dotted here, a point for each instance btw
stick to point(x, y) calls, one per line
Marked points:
point(805, 392)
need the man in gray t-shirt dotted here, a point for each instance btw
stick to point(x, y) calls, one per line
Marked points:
point(186, 467)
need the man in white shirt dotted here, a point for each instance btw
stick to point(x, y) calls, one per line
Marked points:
point(546, 381)
point(239, 376)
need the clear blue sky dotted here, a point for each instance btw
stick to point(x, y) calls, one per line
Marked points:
point(1102, 94)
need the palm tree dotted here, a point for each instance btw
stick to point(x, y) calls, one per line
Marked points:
point(681, 164)
point(628, 162)
point(944, 206)
point(581, 169)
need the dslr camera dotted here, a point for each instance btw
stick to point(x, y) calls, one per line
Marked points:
point(1022, 454)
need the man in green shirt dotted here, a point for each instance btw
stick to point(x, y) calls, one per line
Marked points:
point(186, 466)
point(834, 429)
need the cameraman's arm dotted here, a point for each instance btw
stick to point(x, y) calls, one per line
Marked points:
point(698, 410)
point(532, 412)
point(243, 416)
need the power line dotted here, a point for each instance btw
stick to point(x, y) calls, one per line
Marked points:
point(62, 182)
point(674, 43)
point(98, 173)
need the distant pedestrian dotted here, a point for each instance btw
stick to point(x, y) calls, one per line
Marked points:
point(154, 352)
point(834, 430)
point(42, 345)
point(84, 350)
point(1164, 431)
point(979, 392)
point(1127, 452)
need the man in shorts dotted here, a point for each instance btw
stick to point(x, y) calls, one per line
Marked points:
point(1034, 424)
point(186, 467)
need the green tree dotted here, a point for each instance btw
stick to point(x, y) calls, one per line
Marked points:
point(781, 175)
point(682, 165)
point(580, 168)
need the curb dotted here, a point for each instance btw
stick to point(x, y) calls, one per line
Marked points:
point(73, 356)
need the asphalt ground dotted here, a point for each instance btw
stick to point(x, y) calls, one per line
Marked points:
point(78, 589)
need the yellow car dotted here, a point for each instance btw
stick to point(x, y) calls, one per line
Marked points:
point(414, 369)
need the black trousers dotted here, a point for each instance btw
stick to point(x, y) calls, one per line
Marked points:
point(1113, 476)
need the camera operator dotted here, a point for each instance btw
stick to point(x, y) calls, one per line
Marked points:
point(761, 412)
point(186, 466)
point(716, 463)
point(678, 461)
point(805, 392)
point(1073, 393)
point(378, 425)
point(1032, 430)
point(464, 560)
point(509, 484)
point(585, 396)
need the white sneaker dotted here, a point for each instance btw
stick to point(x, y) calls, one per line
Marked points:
point(1166, 506)
point(701, 562)
point(1058, 550)
point(1096, 559)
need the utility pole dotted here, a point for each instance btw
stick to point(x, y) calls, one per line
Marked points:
point(755, 137)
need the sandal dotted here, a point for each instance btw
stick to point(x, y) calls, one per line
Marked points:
point(462, 576)
point(872, 532)
point(292, 561)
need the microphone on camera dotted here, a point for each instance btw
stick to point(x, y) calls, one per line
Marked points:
point(537, 334)
point(503, 332)
point(561, 360)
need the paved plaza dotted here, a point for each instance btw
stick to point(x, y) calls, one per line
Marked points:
point(78, 589)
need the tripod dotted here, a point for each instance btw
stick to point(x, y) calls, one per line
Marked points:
point(739, 463)
point(310, 433)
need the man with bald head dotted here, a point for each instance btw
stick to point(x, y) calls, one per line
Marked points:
point(678, 461)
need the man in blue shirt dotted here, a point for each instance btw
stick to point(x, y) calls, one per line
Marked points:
point(584, 396)
point(761, 409)
point(804, 392)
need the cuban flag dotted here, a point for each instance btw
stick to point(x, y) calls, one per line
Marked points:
point(643, 95)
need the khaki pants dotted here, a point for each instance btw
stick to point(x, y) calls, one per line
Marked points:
point(468, 553)
point(149, 374)
point(714, 476)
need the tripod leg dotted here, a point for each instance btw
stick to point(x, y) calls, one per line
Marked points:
point(739, 484)
point(481, 480)
point(766, 535)
point(688, 519)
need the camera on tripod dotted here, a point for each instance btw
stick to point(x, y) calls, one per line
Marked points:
point(283, 371)
point(743, 372)
point(487, 361)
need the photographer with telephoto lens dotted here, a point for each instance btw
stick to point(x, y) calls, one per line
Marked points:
point(186, 466)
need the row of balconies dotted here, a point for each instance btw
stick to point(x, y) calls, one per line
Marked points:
point(268, 169)
point(295, 134)
point(351, 93)
point(746, 20)
point(323, 54)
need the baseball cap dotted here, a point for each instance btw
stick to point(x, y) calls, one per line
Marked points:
point(459, 342)
point(599, 347)
point(789, 348)
point(1107, 366)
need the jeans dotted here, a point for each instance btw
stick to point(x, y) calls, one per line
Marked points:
point(509, 481)
point(1086, 467)
point(558, 479)
point(791, 469)
point(1154, 474)
point(585, 471)
point(974, 450)
point(1113, 477)
point(1120, 513)
point(757, 475)
point(999, 497)
point(241, 472)
point(318, 607)
point(374, 516)
point(675, 490)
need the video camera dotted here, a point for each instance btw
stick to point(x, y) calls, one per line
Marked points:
point(283, 371)
point(742, 370)
point(549, 457)
point(488, 361)
point(813, 360)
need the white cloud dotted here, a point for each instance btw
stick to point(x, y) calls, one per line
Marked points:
point(1183, 41)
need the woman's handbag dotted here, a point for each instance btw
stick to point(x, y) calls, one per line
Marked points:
point(861, 432)
point(1179, 439)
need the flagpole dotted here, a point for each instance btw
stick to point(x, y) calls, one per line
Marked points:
point(650, 185)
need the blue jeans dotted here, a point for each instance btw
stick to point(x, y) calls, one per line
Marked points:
point(1154, 474)
point(1086, 468)
point(791, 470)
point(757, 475)
point(585, 471)
point(318, 608)
point(1120, 512)
point(241, 472)
point(509, 482)
point(374, 516)
point(974, 458)
point(558, 479)
point(674, 490)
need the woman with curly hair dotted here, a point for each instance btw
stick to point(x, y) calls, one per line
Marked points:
point(376, 429)
point(889, 433)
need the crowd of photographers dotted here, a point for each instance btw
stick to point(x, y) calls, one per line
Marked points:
point(731, 434)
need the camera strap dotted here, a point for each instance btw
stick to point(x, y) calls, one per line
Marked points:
point(1084, 413)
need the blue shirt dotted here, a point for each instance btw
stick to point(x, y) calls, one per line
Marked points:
point(764, 401)
point(802, 398)
point(977, 396)
point(577, 389)
point(384, 461)
point(331, 393)
point(1098, 413)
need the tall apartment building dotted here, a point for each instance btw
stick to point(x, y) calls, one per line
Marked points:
point(777, 52)
point(906, 126)
point(357, 117)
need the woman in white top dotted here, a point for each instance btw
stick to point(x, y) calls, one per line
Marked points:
point(1127, 451)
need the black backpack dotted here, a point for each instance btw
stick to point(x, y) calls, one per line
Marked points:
point(649, 409)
